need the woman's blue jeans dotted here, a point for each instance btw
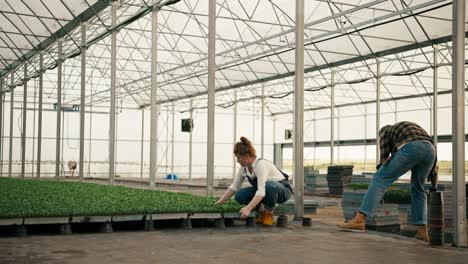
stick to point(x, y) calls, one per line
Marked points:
point(417, 156)
point(275, 192)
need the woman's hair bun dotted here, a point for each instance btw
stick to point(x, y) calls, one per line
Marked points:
point(244, 147)
point(244, 140)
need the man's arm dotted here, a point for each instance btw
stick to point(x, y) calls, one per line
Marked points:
point(385, 149)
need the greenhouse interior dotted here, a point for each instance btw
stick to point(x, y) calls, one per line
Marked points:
point(116, 112)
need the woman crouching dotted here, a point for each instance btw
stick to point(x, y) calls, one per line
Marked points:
point(269, 185)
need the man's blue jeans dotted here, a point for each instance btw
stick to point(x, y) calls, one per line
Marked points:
point(275, 192)
point(417, 156)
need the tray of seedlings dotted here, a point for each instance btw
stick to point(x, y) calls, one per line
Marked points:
point(29, 205)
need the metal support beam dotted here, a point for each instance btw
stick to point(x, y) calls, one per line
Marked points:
point(82, 100)
point(299, 113)
point(59, 109)
point(113, 89)
point(274, 140)
point(142, 145)
point(315, 139)
point(377, 115)
point(34, 127)
point(262, 129)
point(89, 13)
point(172, 138)
point(190, 141)
point(371, 21)
point(62, 138)
point(39, 119)
point(434, 97)
point(234, 133)
point(365, 137)
point(154, 99)
point(338, 134)
point(211, 96)
point(458, 123)
point(356, 142)
point(90, 139)
point(1, 124)
point(23, 134)
point(254, 111)
point(12, 102)
point(167, 140)
point(332, 116)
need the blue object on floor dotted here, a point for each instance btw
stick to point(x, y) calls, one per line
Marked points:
point(172, 176)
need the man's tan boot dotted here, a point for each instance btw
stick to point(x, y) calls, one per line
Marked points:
point(422, 233)
point(260, 218)
point(268, 218)
point(358, 223)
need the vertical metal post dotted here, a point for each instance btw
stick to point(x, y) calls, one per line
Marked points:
point(253, 120)
point(59, 109)
point(62, 136)
point(167, 140)
point(315, 140)
point(23, 135)
point(274, 137)
point(365, 137)
point(211, 95)
point(116, 130)
point(142, 145)
point(12, 102)
point(3, 98)
point(377, 115)
point(82, 100)
point(90, 137)
point(234, 133)
point(113, 89)
point(154, 98)
point(190, 141)
point(1, 125)
point(172, 138)
point(431, 129)
point(458, 122)
point(2, 148)
point(338, 135)
point(434, 96)
point(39, 120)
point(332, 117)
point(34, 129)
point(262, 144)
point(299, 113)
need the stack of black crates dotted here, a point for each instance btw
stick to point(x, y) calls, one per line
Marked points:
point(338, 177)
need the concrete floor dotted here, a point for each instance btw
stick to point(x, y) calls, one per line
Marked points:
point(320, 243)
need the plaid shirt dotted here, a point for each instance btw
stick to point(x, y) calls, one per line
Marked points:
point(399, 134)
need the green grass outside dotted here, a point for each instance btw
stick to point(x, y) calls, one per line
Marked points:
point(50, 198)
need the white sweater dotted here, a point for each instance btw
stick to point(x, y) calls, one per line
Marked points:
point(262, 169)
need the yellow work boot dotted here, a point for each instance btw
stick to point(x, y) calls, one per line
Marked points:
point(358, 223)
point(422, 233)
point(260, 218)
point(268, 218)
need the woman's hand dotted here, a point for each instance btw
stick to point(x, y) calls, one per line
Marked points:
point(244, 212)
point(226, 196)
